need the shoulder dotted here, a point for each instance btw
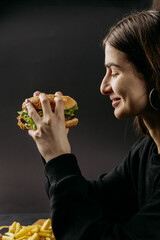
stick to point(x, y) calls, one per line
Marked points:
point(142, 145)
point(138, 155)
point(138, 152)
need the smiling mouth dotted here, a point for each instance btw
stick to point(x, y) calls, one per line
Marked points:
point(115, 102)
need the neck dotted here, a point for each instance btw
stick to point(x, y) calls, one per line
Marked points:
point(152, 122)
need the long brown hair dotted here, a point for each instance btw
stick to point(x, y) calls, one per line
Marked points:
point(138, 36)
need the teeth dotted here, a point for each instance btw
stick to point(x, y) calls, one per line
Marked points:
point(117, 99)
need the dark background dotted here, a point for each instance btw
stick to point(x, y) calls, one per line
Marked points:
point(51, 46)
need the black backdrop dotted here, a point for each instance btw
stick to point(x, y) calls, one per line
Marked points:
point(50, 46)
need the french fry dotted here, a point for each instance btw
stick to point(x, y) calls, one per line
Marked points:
point(11, 235)
point(35, 236)
point(18, 227)
point(46, 224)
point(6, 238)
point(35, 229)
point(23, 237)
point(44, 235)
point(12, 228)
point(48, 231)
point(31, 232)
point(22, 232)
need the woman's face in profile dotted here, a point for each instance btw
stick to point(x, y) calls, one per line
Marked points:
point(124, 85)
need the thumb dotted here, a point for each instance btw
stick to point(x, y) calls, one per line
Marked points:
point(31, 133)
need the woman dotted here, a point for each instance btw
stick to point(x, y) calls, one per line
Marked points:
point(125, 203)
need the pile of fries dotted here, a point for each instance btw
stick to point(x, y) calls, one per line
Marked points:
point(31, 232)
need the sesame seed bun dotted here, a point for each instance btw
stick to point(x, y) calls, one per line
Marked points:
point(68, 102)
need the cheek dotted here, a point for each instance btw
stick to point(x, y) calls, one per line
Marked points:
point(131, 90)
point(132, 103)
point(120, 86)
point(135, 103)
point(135, 94)
point(120, 90)
point(140, 101)
point(138, 94)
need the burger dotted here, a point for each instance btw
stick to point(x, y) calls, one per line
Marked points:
point(70, 106)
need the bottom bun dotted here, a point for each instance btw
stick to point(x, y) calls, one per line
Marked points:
point(68, 123)
point(72, 122)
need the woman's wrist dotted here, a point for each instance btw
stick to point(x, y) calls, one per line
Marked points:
point(50, 156)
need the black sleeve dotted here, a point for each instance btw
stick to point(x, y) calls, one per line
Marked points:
point(102, 210)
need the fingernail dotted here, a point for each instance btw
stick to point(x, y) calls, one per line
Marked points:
point(36, 93)
point(58, 93)
point(57, 98)
point(41, 94)
point(27, 100)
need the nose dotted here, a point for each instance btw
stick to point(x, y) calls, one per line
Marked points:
point(106, 88)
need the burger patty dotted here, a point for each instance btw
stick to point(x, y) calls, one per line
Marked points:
point(67, 118)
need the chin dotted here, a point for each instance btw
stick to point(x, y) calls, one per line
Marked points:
point(122, 115)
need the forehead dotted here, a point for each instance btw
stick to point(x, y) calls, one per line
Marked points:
point(114, 55)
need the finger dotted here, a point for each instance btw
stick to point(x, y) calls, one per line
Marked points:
point(31, 133)
point(32, 112)
point(46, 107)
point(58, 93)
point(59, 107)
point(36, 93)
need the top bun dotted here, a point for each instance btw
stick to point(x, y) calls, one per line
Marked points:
point(68, 102)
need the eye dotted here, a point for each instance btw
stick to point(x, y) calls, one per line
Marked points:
point(114, 75)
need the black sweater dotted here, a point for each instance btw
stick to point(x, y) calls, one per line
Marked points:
point(121, 205)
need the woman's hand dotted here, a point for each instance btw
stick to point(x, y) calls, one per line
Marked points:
point(51, 134)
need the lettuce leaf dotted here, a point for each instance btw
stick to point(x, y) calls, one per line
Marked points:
point(29, 120)
point(70, 112)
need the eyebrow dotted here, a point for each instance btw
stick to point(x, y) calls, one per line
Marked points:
point(112, 65)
